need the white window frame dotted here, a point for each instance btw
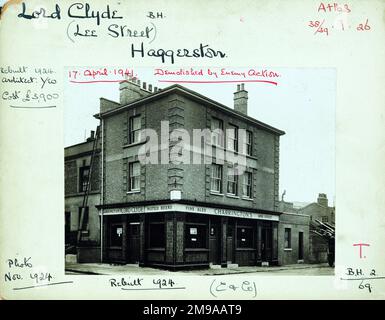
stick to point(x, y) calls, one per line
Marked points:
point(133, 180)
point(232, 138)
point(233, 181)
point(249, 143)
point(247, 184)
point(216, 180)
point(134, 132)
point(217, 132)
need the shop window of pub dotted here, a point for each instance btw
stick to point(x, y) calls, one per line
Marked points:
point(134, 176)
point(84, 173)
point(116, 235)
point(135, 127)
point(287, 238)
point(195, 236)
point(156, 235)
point(232, 182)
point(216, 178)
point(245, 237)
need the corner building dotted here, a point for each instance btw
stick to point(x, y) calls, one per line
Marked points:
point(186, 215)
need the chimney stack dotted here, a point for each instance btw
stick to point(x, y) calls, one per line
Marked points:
point(240, 99)
point(131, 90)
point(322, 199)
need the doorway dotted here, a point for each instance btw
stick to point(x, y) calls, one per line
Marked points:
point(230, 243)
point(133, 242)
point(214, 243)
point(300, 246)
point(266, 244)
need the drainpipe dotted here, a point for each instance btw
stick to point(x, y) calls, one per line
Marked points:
point(102, 195)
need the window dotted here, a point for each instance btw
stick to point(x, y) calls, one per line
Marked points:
point(83, 225)
point(217, 132)
point(247, 183)
point(216, 178)
point(287, 238)
point(116, 235)
point(324, 219)
point(232, 138)
point(245, 237)
point(135, 126)
point(195, 236)
point(157, 235)
point(84, 178)
point(134, 176)
point(249, 143)
point(232, 182)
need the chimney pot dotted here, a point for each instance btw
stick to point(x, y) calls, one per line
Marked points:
point(150, 87)
point(144, 85)
point(238, 87)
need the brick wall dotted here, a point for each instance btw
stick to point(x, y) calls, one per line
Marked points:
point(297, 223)
point(192, 179)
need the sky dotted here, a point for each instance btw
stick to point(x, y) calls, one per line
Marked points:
point(302, 104)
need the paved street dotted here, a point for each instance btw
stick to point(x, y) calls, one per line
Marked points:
point(107, 269)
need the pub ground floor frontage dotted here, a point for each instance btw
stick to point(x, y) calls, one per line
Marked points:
point(179, 235)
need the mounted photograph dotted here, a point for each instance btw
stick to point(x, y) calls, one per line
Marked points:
point(199, 171)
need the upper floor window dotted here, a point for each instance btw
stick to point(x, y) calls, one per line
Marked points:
point(232, 182)
point(324, 219)
point(232, 138)
point(134, 129)
point(216, 178)
point(247, 183)
point(249, 143)
point(217, 132)
point(84, 173)
point(134, 176)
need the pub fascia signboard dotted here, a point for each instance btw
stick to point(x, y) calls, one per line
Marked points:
point(191, 209)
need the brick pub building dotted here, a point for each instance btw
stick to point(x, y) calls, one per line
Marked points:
point(190, 215)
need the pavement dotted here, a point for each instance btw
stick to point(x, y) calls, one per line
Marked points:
point(111, 269)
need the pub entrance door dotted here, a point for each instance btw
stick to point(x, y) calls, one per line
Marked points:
point(133, 242)
point(266, 243)
point(230, 243)
point(214, 236)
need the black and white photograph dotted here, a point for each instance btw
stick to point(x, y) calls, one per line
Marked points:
point(199, 171)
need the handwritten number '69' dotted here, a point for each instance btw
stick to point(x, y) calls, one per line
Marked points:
point(366, 285)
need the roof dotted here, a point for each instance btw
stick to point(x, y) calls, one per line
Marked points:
point(178, 89)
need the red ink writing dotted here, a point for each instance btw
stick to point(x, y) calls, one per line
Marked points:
point(361, 245)
point(333, 7)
